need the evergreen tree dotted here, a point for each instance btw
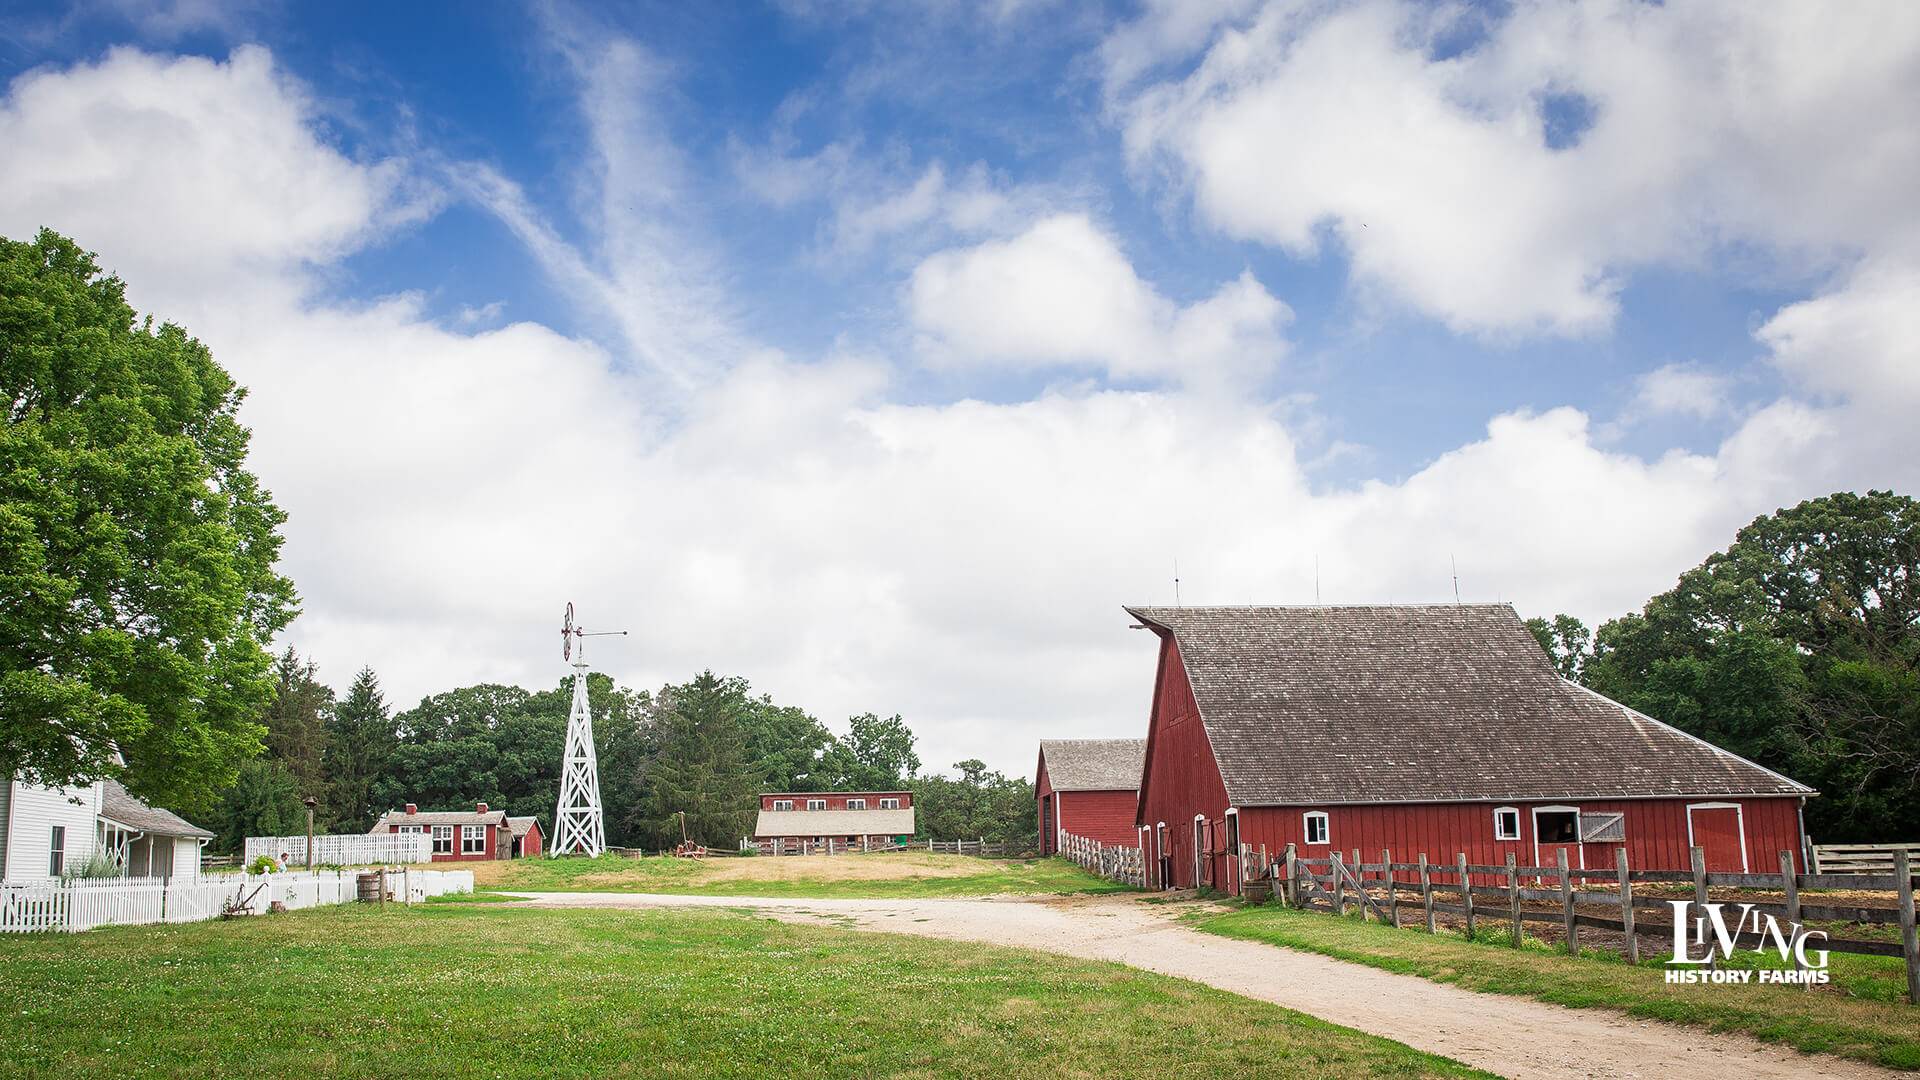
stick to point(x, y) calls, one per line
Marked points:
point(263, 801)
point(297, 724)
point(702, 768)
point(359, 747)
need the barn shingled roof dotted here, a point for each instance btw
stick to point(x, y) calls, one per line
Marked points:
point(1430, 703)
point(834, 823)
point(1093, 764)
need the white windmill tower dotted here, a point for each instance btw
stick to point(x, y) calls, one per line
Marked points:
point(578, 826)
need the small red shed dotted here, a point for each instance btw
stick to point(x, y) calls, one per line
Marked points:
point(1433, 729)
point(461, 835)
point(528, 841)
point(1088, 787)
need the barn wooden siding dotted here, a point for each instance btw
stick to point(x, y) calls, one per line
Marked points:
point(1656, 832)
point(1181, 777)
point(1106, 816)
point(1046, 814)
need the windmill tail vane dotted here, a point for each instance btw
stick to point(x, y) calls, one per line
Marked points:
point(569, 633)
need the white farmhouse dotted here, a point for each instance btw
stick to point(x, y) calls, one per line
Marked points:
point(47, 831)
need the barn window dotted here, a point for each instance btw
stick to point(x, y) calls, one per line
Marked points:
point(473, 839)
point(1556, 826)
point(816, 804)
point(856, 804)
point(410, 830)
point(783, 804)
point(889, 804)
point(1603, 828)
point(1315, 827)
point(443, 839)
point(1506, 823)
point(57, 851)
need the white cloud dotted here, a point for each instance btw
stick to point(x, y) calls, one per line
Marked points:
point(1861, 340)
point(961, 562)
point(1062, 293)
point(1776, 127)
point(1682, 390)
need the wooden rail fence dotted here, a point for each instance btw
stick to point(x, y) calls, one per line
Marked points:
point(1115, 862)
point(1860, 858)
point(1499, 895)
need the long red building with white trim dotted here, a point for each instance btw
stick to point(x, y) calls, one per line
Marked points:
point(1434, 729)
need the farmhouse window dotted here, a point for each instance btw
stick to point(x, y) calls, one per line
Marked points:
point(856, 804)
point(473, 839)
point(411, 830)
point(816, 804)
point(1315, 827)
point(889, 804)
point(783, 804)
point(443, 839)
point(1556, 826)
point(1506, 823)
point(57, 851)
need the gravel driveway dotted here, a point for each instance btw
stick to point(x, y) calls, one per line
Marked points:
point(1513, 1036)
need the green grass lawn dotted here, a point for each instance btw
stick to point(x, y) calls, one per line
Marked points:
point(1864, 1015)
point(486, 991)
point(881, 876)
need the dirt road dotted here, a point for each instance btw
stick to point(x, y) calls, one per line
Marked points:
point(1512, 1036)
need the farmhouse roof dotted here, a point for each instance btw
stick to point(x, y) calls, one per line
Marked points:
point(439, 817)
point(521, 826)
point(834, 823)
point(1431, 703)
point(120, 807)
point(1093, 764)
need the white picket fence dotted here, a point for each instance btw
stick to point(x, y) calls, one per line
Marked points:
point(1115, 862)
point(345, 849)
point(83, 905)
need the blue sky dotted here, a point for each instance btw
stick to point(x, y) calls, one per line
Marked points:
point(919, 338)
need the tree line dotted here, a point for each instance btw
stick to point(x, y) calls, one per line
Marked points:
point(704, 748)
point(1797, 647)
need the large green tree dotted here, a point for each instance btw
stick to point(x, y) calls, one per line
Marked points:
point(979, 802)
point(877, 754)
point(1799, 647)
point(297, 726)
point(264, 800)
point(136, 551)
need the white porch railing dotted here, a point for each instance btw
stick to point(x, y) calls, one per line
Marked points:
point(83, 905)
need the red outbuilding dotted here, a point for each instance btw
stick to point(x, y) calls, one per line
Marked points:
point(1427, 730)
point(466, 835)
point(1089, 788)
point(792, 820)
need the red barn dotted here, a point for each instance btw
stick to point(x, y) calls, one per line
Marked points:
point(1424, 729)
point(1090, 788)
point(790, 818)
point(463, 835)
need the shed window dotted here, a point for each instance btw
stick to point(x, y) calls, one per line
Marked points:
point(1506, 823)
point(1315, 827)
point(783, 804)
point(889, 804)
point(443, 839)
point(856, 804)
point(816, 804)
point(473, 839)
point(57, 851)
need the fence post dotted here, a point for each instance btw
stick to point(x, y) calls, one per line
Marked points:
point(1626, 903)
point(1466, 890)
point(1566, 904)
point(1293, 881)
point(1426, 891)
point(1513, 898)
point(1339, 883)
point(1393, 895)
point(1909, 939)
point(1699, 857)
